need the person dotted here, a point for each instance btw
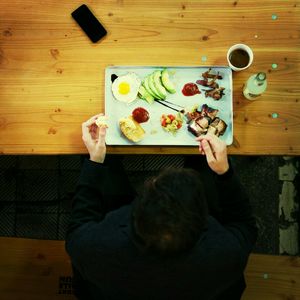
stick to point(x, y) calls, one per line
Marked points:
point(172, 241)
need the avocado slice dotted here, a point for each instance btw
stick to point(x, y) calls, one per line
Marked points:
point(153, 87)
point(167, 82)
point(147, 87)
point(156, 76)
point(145, 95)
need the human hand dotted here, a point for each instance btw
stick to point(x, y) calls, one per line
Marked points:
point(94, 139)
point(215, 151)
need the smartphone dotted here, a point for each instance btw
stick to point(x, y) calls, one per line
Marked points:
point(89, 23)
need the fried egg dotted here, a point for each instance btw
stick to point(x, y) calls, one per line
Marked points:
point(125, 88)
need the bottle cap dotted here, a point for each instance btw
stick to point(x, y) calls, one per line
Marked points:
point(261, 76)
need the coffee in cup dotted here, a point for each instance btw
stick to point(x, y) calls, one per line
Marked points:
point(239, 57)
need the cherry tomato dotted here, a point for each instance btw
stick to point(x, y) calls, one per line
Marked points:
point(171, 117)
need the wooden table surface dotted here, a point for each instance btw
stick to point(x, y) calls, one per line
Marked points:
point(52, 76)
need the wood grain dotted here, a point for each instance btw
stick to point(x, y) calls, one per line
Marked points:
point(52, 76)
point(271, 277)
point(34, 269)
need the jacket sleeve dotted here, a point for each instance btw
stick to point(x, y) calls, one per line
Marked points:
point(236, 211)
point(88, 202)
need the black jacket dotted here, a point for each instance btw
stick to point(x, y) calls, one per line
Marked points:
point(108, 264)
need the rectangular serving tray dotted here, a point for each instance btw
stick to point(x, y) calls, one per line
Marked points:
point(155, 134)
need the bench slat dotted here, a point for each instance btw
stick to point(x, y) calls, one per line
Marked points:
point(41, 269)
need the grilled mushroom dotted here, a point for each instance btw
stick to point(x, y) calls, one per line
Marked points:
point(216, 93)
point(209, 111)
point(220, 125)
point(204, 121)
point(196, 129)
point(208, 75)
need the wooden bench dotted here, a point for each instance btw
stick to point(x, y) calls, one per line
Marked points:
point(41, 269)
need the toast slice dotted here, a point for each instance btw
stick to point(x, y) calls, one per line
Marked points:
point(131, 129)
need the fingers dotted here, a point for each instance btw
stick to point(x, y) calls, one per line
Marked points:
point(215, 151)
point(208, 151)
point(99, 139)
point(213, 140)
point(92, 120)
point(216, 144)
point(208, 138)
point(94, 139)
point(94, 131)
point(102, 135)
point(86, 136)
point(201, 151)
point(99, 150)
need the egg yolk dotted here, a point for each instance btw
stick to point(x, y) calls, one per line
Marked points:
point(124, 88)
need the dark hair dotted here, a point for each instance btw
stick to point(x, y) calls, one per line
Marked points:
point(171, 213)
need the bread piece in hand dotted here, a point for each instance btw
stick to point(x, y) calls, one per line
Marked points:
point(132, 130)
point(102, 121)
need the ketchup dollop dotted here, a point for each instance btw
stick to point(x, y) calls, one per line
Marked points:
point(190, 89)
point(140, 115)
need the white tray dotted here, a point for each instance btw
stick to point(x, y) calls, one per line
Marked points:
point(155, 134)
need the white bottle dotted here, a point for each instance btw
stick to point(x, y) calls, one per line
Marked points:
point(255, 86)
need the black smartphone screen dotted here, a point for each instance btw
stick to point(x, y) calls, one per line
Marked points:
point(88, 22)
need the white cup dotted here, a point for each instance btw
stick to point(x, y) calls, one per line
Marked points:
point(242, 47)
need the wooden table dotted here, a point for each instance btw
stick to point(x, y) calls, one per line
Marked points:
point(52, 76)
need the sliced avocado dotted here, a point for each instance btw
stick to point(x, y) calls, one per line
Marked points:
point(167, 82)
point(153, 87)
point(147, 87)
point(145, 95)
point(158, 85)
